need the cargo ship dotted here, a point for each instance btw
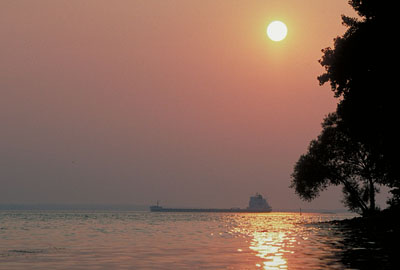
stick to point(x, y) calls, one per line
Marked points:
point(257, 204)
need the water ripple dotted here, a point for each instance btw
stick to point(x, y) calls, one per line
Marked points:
point(144, 240)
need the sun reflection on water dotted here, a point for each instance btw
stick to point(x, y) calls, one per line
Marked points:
point(278, 239)
point(270, 247)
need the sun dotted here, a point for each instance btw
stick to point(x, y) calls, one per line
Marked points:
point(277, 31)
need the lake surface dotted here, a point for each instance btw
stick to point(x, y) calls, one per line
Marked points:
point(144, 240)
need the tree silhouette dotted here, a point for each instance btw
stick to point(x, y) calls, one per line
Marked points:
point(360, 71)
point(335, 159)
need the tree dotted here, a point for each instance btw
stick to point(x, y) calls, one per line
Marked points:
point(335, 159)
point(360, 70)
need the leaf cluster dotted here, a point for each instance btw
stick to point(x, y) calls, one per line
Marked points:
point(335, 159)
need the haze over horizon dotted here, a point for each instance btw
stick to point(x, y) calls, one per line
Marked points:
point(186, 102)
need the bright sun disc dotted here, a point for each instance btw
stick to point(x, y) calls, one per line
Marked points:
point(276, 30)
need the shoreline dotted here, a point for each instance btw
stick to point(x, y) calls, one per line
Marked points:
point(371, 242)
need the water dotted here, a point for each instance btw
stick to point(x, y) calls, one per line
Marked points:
point(144, 240)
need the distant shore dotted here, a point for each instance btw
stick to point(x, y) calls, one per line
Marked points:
point(75, 207)
point(130, 207)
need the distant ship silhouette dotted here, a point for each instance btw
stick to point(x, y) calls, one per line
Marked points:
point(257, 204)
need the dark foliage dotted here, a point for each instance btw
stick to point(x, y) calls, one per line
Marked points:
point(361, 71)
point(335, 159)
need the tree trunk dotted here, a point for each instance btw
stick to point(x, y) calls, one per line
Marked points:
point(361, 204)
point(371, 195)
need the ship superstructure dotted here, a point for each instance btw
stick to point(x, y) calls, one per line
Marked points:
point(257, 202)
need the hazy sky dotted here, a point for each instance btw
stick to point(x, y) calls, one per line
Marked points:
point(186, 102)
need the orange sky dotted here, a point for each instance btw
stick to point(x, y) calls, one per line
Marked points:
point(187, 102)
